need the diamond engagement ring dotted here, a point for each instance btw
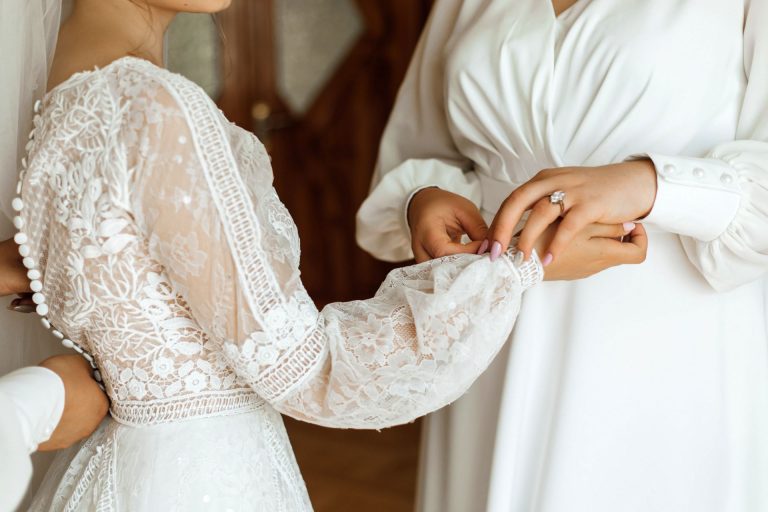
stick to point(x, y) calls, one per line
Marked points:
point(558, 198)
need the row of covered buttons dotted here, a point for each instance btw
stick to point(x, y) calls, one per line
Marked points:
point(33, 273)
point(672, 171)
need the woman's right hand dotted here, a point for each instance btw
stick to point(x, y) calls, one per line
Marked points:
point(439, 219)
point(594, 249)
point(13, 275)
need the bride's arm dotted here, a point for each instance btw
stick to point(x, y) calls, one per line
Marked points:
point(227, 248)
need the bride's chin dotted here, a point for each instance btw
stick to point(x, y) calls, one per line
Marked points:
point(197, 6)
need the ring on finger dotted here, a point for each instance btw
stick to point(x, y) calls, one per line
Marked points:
point(558, 197)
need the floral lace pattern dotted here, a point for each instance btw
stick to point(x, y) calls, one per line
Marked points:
point(168, 255)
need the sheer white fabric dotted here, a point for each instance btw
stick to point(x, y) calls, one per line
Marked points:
point(644, 387)
point(168, 255)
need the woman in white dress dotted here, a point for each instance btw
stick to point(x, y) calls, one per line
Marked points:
point(642, 388)
point(157, 247)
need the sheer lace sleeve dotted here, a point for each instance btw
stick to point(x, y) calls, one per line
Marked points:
point(205, 204)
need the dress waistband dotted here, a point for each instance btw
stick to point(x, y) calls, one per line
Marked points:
point(136, 413)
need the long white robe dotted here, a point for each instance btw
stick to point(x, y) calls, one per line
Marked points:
point(31, 405)
point(643, 388)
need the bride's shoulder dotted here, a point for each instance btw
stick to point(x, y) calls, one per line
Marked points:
point(124, 86)
point(138, 83)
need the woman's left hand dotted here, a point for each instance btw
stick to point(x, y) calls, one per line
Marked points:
point(611, 194)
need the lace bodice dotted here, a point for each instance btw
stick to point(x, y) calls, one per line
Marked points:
point(166, 253)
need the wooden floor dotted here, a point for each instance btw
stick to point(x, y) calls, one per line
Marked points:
point(353, 470)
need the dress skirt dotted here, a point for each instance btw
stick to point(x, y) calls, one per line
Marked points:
point(240, 462)
point(638, 389)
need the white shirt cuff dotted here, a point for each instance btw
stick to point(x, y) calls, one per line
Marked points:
point(696, 197)
point(38, 396)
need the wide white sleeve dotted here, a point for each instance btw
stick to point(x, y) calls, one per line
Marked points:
point(31, 405)
point(719, 203)
point(417, 149)
point(228, 247)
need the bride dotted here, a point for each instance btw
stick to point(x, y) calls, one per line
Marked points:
point(156, 247)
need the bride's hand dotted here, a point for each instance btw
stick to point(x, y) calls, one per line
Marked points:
point(595, 248)
point(438, 219)
point(13, 275)
point(612, 194)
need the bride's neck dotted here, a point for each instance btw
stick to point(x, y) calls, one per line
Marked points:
point(101, 31)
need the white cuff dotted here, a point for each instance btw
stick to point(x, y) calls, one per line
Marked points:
point(696, 197)
point(530, 272)
point(38, 396)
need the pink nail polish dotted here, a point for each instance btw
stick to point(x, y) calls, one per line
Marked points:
point(547, 259)
point(629, 227)
point(495, 251)
point(483, 247)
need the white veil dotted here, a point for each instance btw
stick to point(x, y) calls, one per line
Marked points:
point(28, 31)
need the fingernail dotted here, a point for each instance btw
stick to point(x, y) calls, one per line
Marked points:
point(629, 227)
point(483, 247)
point(495, 251)
point(22, 308)
point(547, 259)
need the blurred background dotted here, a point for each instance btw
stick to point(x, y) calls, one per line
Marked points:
point(315, 81)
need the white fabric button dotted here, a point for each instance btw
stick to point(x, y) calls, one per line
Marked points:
point(38, 298)
point(18, 222)
point(20, 238)
point(669, 169)
point(699, 173)
point(45, 322)
point(24, 251)
point(68, 343)
point(78, 349)
point(726, 178)
point(58, 334)
point(38, 106)
point(97, 375)
point(34, 274)
point(17, 204)
point(36, 286)
point(28, 262)
point(42, 309)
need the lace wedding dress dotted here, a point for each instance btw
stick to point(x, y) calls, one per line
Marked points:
point(167, 256)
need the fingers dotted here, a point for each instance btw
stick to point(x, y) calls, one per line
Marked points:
point(512, 210)
point(419, 253)
point(632, 252)
point(639, 239)
point(23, 304)
point(610, 230)
point(576, 220)
point(472, 223)
point(439, 246)
point(543, 214)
